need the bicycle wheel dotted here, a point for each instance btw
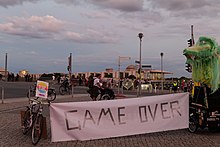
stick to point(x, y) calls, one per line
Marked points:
point(51, 95)
point(37, 129)
point(193, 124)
point(62, 90)
point(26, 122)
point(105, 97)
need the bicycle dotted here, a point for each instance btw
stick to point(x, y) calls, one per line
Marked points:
point(104, 94)
point(65, 87)
point(33, 119)
point(32, 92)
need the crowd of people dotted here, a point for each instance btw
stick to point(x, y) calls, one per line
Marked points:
point(11, 77)
point(176, 86)
point(185, 86)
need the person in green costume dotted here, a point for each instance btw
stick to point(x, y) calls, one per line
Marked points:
point(204, 58)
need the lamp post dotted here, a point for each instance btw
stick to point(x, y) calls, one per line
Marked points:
point(119, 65)
point(6, 65)
point(69, 68)
point(140, 35)
point(161, 54)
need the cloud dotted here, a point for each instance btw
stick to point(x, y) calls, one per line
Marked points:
point(96, 14)
point(176, 5)
point(34, 53)
point(122, 5)
point(6, 3)
point(33, 27)
point(91, 36)
point(145, 17)
point(68, 2)
point(49, 27)
point(188, 8)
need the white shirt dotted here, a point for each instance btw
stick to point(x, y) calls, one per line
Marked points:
point(97, 82)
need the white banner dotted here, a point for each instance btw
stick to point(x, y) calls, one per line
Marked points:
point(122, 117)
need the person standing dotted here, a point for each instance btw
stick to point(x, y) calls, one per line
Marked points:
point(91, 81)
point(185, 88)
point(183, 85)
point(58, 79)
point(53, 79)
point(175, 86)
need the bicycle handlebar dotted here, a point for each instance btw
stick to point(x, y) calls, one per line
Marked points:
point(39, 101)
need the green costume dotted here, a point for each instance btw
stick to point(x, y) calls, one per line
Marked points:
point(204, 57)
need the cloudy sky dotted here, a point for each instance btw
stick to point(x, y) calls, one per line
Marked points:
point(39, 35)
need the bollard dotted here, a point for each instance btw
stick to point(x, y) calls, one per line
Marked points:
point(72, 91)
point(3, 94)
point(122, 88)
point(29, 94)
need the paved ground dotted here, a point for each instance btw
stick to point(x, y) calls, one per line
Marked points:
point(11, 135)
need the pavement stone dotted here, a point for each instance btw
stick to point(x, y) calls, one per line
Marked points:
point(11, 134)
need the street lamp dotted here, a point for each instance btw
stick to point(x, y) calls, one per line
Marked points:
point(119, 65)
point(161, 54)
point(140, 35)
point(6, 65)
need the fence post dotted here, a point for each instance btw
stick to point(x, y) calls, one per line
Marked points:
point(3, 92)
point(72, 90)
